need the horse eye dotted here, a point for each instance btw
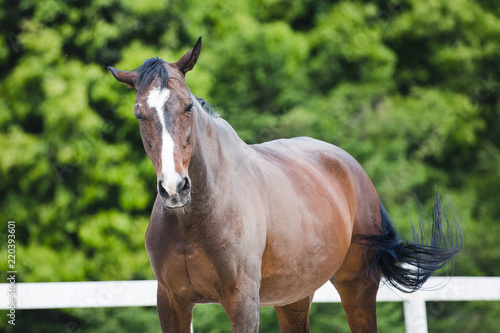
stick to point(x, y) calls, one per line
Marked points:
point(189, 108)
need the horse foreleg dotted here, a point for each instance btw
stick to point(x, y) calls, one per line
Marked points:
point(294, 318)
point(242, 307)
point(174, 317)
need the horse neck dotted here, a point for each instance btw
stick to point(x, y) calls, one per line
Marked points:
point(218, 149)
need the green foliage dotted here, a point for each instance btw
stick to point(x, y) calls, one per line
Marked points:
point(91, 320)
point(469, 316)
point(409, 88)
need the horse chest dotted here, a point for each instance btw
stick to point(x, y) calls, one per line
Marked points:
point(187, 267)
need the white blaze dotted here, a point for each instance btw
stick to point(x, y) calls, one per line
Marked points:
point(157, 99)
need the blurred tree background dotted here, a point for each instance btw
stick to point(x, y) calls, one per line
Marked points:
point(409, 88)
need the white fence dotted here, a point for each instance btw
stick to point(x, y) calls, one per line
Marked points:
point(52, 295)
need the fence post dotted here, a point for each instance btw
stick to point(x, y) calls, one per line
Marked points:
point(415, 314)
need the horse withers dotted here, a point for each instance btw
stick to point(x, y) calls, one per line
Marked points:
point(246, 226)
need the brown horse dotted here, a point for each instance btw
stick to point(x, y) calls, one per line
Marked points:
point(263, 225)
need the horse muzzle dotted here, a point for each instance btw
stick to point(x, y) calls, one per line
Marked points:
point(179, 198)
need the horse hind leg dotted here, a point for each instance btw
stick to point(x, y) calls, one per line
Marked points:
point(294, 318)
point(358, 291)
point(359, 303)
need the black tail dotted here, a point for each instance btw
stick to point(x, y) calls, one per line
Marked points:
point(390, 253)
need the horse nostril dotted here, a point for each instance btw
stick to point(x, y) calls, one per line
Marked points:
point(184, 185)
point(161, 191)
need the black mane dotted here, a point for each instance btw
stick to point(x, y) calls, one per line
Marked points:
point(149, 70)
point(207, 107)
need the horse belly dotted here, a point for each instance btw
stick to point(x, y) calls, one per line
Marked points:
point(291, 284)
point(302, 254)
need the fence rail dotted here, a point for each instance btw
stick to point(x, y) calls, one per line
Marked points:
point(51, 295)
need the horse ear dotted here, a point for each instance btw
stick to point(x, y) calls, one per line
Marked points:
point(187, 61)
point(123, 76)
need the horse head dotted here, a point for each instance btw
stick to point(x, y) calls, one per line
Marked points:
point(164, 108)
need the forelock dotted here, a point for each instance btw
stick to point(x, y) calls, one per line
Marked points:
point(148, 71)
